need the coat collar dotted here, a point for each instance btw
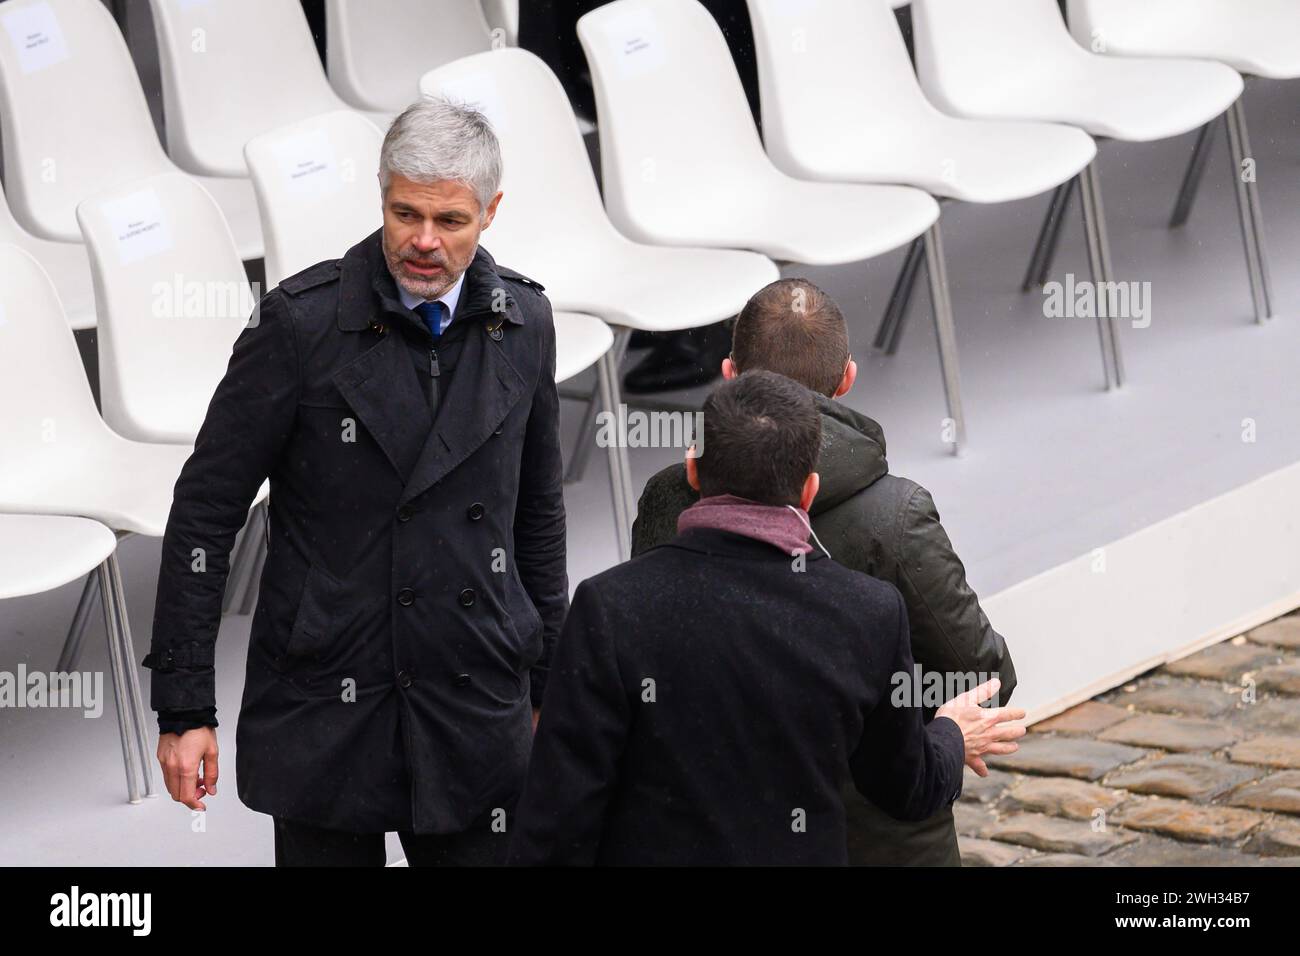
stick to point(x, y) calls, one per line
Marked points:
point(367, 285)
point(715, 541)
point(386, 391)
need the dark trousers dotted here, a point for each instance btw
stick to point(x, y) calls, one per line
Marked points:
point(300, 844)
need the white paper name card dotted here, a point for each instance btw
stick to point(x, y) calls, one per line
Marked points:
point(309, 164)
point(636, 42)
point(36, 36)
point(138, 226)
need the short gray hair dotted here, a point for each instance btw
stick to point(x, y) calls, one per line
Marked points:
point(437, 140)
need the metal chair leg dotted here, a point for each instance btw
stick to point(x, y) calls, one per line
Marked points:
point(620, 469)
point(582, 447)
point(890, 332)
point(257, 560)
point(945, 333)
point(135, 699)
point(1099, 262)
point(1248, 208)
point(1049, 237)
point(1192, 178)
point(120, 691)
point(71, 652)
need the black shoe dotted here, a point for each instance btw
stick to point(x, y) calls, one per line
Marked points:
point(681, 360)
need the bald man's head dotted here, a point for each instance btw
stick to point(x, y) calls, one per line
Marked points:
point(791, 327)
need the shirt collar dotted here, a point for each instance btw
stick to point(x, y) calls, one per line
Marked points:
point(449, 298)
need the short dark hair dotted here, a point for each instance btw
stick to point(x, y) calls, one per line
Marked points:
point(762, 435)
point(793, 328)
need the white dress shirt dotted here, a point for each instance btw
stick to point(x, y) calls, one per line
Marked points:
point(449, 299)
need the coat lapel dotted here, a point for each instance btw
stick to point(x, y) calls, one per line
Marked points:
point(482, 392)
point(381, 387)
point(380, 384)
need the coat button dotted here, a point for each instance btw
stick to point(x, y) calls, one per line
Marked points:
point(476, 511)
point(404, 678)
point(404, 513)
point(498, 430)
point(461, 680)
point(467, 597)
point(406, 597)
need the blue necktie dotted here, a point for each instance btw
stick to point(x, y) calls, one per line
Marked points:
point(431, 312)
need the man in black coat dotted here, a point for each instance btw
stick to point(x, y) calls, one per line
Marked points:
point(402, 402)
point(709, 698)
point(869, 520)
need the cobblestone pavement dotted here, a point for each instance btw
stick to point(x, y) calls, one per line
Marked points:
point(1196, 763)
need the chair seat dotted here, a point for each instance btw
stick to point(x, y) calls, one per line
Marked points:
point(125, 485)
point(238, 204)
point(42, 552)
point(979, 161)
point(1263, 40)
point(1126, 98)
point(579, 341)
point(651, 288)
point(788, 219)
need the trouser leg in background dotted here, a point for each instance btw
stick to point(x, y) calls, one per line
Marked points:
point(300, 844)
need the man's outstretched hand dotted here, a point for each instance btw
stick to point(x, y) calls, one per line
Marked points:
point(181, 756)
point(985, 730)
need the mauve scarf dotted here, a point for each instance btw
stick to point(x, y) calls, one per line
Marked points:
point(778, 525)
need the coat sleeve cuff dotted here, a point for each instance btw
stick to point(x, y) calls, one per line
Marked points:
point(179, 721)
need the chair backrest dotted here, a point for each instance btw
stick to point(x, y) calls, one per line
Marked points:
point(317, 189)
point(675, 126)
point(504, 15)
point(377, 50)
point(969, 52)
point(172, 297)
point(830, 72)
point(551, 207)
point(46, 406)
point(73, 117)
point(231, 71)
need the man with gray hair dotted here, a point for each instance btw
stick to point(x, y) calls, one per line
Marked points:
point(401, 400)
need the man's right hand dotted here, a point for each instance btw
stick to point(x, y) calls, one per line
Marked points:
point(180, 756)
point(985, 730)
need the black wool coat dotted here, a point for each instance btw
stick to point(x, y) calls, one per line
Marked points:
point(888, 527)
point(415, 581)
point(708, 700)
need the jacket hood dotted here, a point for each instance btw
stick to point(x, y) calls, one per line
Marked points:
point(852, 455)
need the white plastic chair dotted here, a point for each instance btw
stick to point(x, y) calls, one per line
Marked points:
point(585, 263)
point(172, 298)
point(74, 120)
point(683, 163)
point(377, 50)
point(64, 261)
point(317, 188)
point(1015, 59)
point(232, 71)
point(1255, 37)
point(39, 553)
point(841, 103)
point(62, 459)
